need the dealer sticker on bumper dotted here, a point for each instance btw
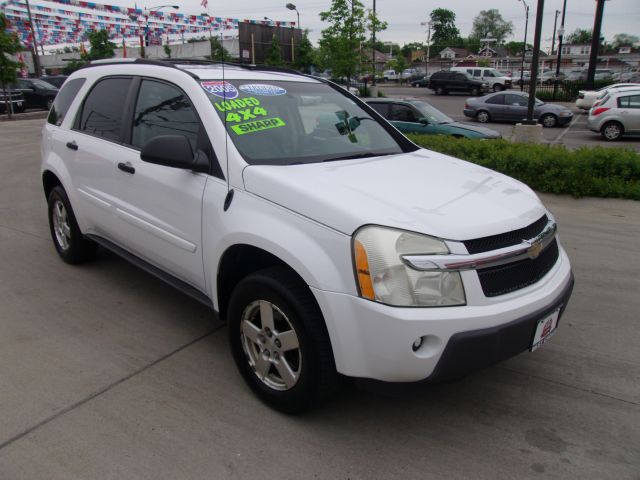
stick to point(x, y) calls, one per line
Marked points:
point(545, 329)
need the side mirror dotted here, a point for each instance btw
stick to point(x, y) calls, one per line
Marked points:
point(423, 121)
point(174, 151)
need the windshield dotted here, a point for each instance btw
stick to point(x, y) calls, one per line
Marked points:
point(431, 114)
point(283, 123)
point(43, 84)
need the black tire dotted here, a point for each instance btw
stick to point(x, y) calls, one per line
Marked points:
point(440, 91)
point(49, 103)
point(498, 88)
point(612, 131)
point(475, 91)
point(549, 120)
point(483, 116)
point(297, 310)
point(75, 248)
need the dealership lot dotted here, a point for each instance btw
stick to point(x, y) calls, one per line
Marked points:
point(107, 373)
point(574, 136)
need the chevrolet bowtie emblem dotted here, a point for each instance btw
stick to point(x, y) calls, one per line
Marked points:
point(534, 250)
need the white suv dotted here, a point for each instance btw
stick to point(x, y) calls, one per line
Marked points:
point(329, 242)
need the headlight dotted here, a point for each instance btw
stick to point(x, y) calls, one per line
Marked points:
point(566, 114)
point(384, 278)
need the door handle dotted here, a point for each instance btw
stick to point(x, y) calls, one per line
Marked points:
point(126, 167)
point(72, 145)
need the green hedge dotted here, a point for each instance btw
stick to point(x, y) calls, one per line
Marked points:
point(587, 171)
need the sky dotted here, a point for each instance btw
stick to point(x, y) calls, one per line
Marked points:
point(404, 16)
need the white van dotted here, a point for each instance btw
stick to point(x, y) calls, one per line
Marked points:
point(496, 80)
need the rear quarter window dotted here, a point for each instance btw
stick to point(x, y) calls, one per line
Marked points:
point(63, 100)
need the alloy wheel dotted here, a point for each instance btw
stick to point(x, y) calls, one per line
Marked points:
point(61, 226)
point(612, 131)
point(271, 345)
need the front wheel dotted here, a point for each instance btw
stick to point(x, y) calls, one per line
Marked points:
point(279, 341)
point(548, 120)
point(49, 103)
point(498, 88)
point(439, 91)
point(70, 244)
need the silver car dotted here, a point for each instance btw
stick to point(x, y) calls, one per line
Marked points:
point(617, 114)
point(511, 106)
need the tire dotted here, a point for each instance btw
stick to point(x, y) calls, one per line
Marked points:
point(67, 238)
point(440, 91)
point(475, 91)
point(259, 350)
point(498, 88)
point(49, 103)
point(548, 120)
point(612, 131)
point(483, 116)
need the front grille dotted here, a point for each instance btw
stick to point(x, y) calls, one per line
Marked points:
point(494, 242)
point(514, 276)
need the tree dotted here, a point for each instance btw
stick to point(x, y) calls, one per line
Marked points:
point(306, 54)
point(347, 31)
point(408, 48)
point(273, 54)
point(218, 52)
point(443, 27)
point(515, 48)
point(579, 35)
point(490, 24)
point(167, 50)
point(9, 45)
point(624, 39)
point(100, 46)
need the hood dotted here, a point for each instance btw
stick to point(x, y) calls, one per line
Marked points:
point(474, 128)
point(422, 191)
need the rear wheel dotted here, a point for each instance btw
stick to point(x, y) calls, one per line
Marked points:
point(548, 120)
point(70, 244)
point(483, 116)
point(279, 341)
point(612, 131)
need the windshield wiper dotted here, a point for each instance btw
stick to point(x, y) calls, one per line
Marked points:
point(357, 155)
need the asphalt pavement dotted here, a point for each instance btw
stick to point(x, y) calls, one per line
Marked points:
point(106, 373)
point(576, 135)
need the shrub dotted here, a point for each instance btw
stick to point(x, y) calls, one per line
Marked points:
point(587, 171)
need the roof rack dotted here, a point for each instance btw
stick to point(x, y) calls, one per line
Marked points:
point(174, 62)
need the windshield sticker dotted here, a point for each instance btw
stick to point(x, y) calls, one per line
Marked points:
point(263, 89)
point(220, 89)
point(258, 125)
point(236, 104)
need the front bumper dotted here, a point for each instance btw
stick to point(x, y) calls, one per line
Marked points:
point(374, 341)
point(564, 120)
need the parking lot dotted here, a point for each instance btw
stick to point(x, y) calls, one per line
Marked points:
point(105, 372)
point(577, 134)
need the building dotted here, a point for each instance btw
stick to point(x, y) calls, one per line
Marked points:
point(578, 49)
point(453, 53)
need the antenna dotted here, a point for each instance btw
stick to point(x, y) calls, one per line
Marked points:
point(229, 197)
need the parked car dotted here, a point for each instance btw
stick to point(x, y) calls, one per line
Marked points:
point(617, 114)
point(576, 76)
point(390, 75)
point(314, 228)
point(410, 74)
point(444, 82)
point(497, 80)
point(417, 116)
point(603, 74)
point(421, 82)
point(548, 77)
point(15, 97)
point(55, 80)
point(586, 98)
point(37, 93)
point(512, 106)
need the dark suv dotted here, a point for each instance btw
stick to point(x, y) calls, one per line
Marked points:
point(37, 93)
point(445, 81)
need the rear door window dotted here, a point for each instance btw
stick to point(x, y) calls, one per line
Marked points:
point(381, 108)
point(403, 113)
point(103, 109)
point(63, 100)
point(496, 100)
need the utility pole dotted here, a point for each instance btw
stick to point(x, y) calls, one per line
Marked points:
point(553, 40)
point(373, 45)
point(524, 46)
point(34, 43)
point(428, 47)
point(560, 36)
point(595, 43)
point(534, 64)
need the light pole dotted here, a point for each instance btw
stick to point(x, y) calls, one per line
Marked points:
point(595, 43)
point(428, 25)
point(524, 46)
point(553, 40)
point(146, 12)
point(34, 51)
point(291, 6)
point(267, 19)
point(560, 36)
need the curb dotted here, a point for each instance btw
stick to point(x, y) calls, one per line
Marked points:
point(24, 116)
